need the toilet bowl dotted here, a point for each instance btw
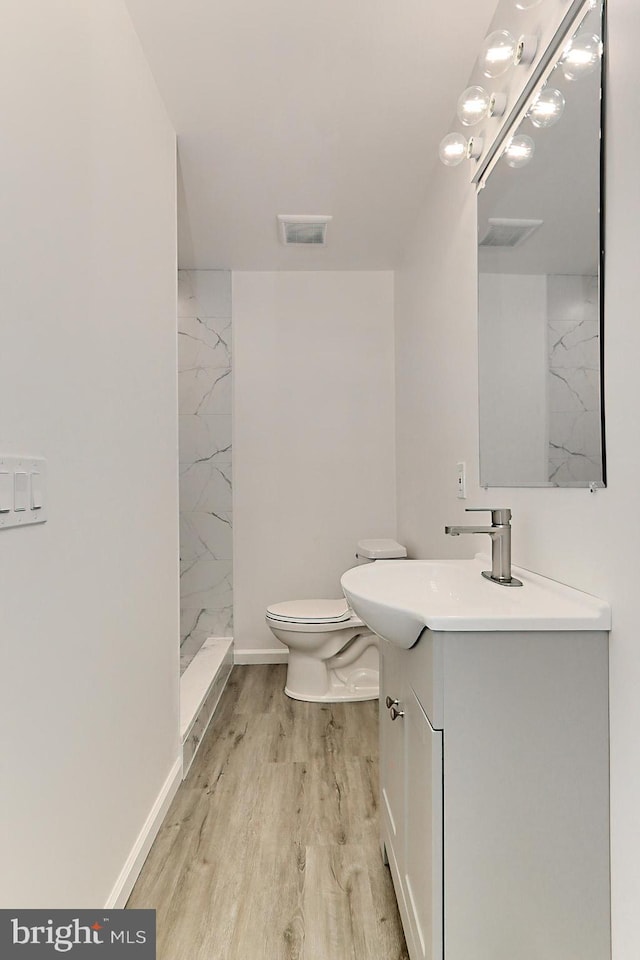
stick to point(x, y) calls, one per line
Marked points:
point(333, 655)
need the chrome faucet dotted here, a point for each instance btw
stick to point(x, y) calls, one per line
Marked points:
point(500, 533)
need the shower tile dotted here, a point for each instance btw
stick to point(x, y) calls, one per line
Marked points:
point(206, 487)
point(204, 377)
point(206, 583)
point(204, 293)
point(205, 438)
point(574, 344)
point(576, 433)
point(204, 343)
point(570, 469)
point(205, 390)
point(198, 624)
point(573, 390)
point(205, 536)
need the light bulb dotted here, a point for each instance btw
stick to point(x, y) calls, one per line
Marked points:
point(497, 53)
point(581, 55)
point(473, 105)
point(526, 4)
point(519, 150)
point(453, 149)
point(547, 108)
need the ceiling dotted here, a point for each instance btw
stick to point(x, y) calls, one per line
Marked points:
point(306, 107)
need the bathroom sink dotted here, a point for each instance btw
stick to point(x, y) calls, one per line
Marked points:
point(397, 599)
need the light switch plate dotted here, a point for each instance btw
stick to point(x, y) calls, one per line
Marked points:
point(17, 490)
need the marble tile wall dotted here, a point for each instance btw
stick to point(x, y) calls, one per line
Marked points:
point(204, 374)
point(573, 379)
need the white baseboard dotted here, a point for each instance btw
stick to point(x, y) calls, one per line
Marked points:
point(261, 655)
point(131, 870)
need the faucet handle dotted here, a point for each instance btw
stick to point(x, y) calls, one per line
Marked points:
point(499, 515)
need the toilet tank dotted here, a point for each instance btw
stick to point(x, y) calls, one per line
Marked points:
point(380, 550)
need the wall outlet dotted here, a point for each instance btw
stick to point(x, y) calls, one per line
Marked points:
point(461, 483)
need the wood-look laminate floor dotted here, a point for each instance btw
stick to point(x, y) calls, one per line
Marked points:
point(270, 849)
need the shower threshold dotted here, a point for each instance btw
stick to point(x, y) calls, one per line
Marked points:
point(201, 686)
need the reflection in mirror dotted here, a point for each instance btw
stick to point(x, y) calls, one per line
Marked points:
point(540, 285)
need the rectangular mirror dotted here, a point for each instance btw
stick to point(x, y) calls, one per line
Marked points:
point(540, 272)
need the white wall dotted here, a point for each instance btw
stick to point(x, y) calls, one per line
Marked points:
point(89, 600)
point(587, 540)
point(313, 434)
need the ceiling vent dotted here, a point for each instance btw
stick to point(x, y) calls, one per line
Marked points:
point(503, 232)
point(297, 230)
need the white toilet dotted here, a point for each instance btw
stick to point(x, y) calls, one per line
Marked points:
point(333, 655)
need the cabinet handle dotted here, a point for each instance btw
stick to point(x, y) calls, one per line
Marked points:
point(390, 702)
point(396, 713)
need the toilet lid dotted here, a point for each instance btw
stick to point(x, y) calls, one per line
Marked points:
point(310, 611)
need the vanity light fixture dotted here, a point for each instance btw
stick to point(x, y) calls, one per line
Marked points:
point(519, 150)
point(499, 52)
point(581, 56)
point(454, 148)
point(547, 108)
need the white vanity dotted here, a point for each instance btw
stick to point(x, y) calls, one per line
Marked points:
point(494, 760)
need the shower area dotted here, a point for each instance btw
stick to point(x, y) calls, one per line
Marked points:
point(206, 542)
point(204, 391)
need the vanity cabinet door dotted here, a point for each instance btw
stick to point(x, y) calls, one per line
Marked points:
point(423, 868)
point(392, 748)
